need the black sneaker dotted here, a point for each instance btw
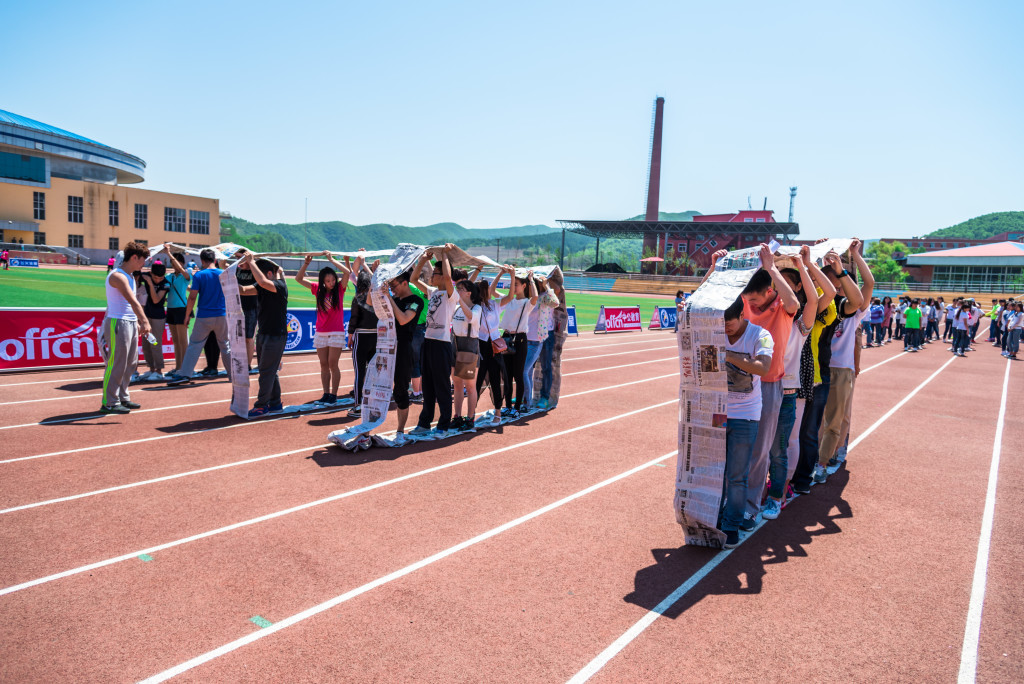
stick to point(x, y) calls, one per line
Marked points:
point(748, 523)
point(801, 488)
point(356, 411)
point(324, 399)
point(468, 425)
point(732, 539)
point(130, 405)
point(178, 380)
point(116, 408)
point(456, 423)
point(416, 398)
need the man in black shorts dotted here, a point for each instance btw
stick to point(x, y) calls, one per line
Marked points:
point(407, 308)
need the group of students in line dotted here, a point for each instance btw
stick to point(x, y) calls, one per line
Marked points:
point(792, 359)
point(447, 314)
point(457, 334)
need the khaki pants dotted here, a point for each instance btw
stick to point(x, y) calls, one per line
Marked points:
point(840, 394)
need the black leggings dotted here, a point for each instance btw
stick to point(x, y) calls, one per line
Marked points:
point(515, 365)
point(491, 368)
point(212, 352)
point(363, 349)
point(437, 357)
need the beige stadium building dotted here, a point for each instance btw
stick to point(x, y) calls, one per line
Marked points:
point(75, 196)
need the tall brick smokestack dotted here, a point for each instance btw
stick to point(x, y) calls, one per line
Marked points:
point(654, 180)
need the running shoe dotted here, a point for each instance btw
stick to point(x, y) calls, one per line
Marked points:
point(456, 423)
point(820, 474)
point(274, 408)
point(254, 371)
point(130, 405)
point(748, 523)
point(323, 399)
point(355, 411)
point(178, 380)
point(257, 411)
point(507, 412)
point(732, 539)
point(542, 404)
point(771, 509)
point(400, 439)
point(467, 426)
point(116, 408)
point(420, 432)
point(416, 397)
point(790, 495)
point(801, 489)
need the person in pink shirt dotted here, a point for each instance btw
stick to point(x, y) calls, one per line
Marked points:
point(329, 339)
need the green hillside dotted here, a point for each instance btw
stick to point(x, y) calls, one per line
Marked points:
point(670, 216)
point(986, 226)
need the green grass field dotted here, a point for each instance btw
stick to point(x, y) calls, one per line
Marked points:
point(53, 287)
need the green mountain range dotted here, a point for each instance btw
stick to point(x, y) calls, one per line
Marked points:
point(981, 227)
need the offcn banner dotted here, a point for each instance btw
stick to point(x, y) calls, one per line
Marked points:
point(571, 327)
point(23, 262)
point(618, 319)
point(663, 318)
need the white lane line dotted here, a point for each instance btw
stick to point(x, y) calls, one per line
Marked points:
point(318, 502)
point(247, 461)
point(636, 351)
point(397, 574)
point(602, 659)
point(972, 631)
point(882, 363)
point(251, 423)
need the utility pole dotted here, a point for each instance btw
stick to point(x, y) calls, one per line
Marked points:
point(597, 252)
point(561, 255)
point(497, 255)
point(305, 221)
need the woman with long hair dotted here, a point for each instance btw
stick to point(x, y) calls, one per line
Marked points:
point(887, 320)
point(515, 322)
point(466, 336)
point(492, 366)
point(541, 321)
point(329, 340)
point(362, 329)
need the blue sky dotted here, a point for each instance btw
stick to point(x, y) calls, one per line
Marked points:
point(893, 118)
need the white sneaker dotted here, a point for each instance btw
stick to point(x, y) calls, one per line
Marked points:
point(771, 509)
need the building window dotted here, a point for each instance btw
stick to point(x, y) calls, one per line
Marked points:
point(704, 249)
point(713, 243)
point(760, 220)
point(39, 206)
point(195, 246)
point(141, 216)
point(700, 237)
point(113, 244)
point(142, 243)
point(199, 222)
point(748, 220)
point(23, 168)
point(39, 238)
point(76, 241)
point(174, 220)
point(113, 212)
point(75, 209)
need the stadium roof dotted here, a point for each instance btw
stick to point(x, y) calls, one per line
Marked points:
point(25, 122)
point(997, 254)
point(635, 229)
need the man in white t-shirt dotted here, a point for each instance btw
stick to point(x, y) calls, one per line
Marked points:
point(437, 356)
point(748, 356)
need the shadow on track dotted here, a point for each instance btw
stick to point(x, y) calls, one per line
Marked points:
point(78, 419)
point(742, 572)
point(82, 386)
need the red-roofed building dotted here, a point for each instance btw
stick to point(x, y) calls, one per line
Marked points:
point(700, 246)
point(984, 264)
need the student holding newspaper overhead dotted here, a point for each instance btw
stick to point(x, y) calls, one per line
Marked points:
point(407, 307)
point(465, 333)
point(437, 357)
point(272, 330)
point(539, 323)
point(515, 322)
point(329, 291)
point(211, 317)
point(492, 344)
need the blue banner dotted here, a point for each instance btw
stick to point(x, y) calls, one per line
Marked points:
point(21, 261)
point(571, 326)
point(302, 329)
point(667, 315)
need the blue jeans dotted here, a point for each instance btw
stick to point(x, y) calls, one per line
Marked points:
point(879, 333)
point(740, 436)
point(1014, 346)
point(779, 461)
point(547, 353)
point(814, 409)
point(533, 350)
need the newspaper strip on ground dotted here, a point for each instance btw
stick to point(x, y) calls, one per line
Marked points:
point(703, 387)
point(236, 341)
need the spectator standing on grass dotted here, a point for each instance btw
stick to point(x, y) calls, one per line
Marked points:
point(769, 303)
point(438, 356)
point(407, 307)
point(110, 263)
point(748, 356)
point(124, 322)
point(211, 317)
point(156, 291)
point(329, 341)
point(5, 259)
point(272, 330)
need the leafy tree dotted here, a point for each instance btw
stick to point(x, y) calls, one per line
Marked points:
point(882, 264)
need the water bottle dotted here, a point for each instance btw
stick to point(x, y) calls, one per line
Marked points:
point(151, 339)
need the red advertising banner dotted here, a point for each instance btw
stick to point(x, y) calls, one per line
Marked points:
point(618, 319)
point(46, 338)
